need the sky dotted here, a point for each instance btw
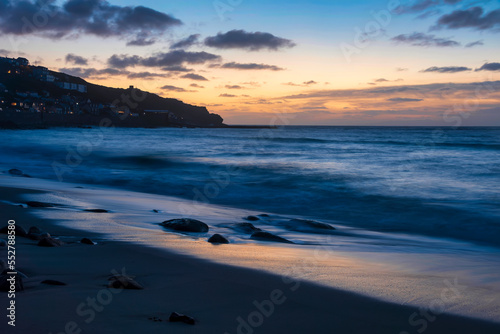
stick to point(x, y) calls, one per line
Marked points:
point(358, 62)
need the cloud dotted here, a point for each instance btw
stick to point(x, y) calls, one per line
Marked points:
point(5, 52)
point(381, 80)
point(145, 75)
point(173, 89)
point(168, 59)
point(403, 99)
point(470, 18)
point(250, 66)
point(252, 41)
point(193, 76)
point(234, 87)
point(141, 41)
point(176, 69)
point(227, 95)
point(77, 60)
point(447, 69)
point(92, 72)
point(196, 85)
point(186, 42)
point(401, 69)
point(423, 5)
point(81, 17)
point(421, 39)
point(489, 67)
point(304, 84)
point(472, 44)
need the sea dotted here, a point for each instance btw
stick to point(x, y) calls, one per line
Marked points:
point(442, 182)
point(414, 209)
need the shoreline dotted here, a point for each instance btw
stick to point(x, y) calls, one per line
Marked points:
point(221, 298)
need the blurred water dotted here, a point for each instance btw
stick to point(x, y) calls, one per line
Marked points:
point(440, 182)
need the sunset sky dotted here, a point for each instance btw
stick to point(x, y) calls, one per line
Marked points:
point(361, 62)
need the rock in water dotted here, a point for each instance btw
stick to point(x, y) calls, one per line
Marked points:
point(52, 282)
point(15, 172)
point(246, 228)
point(185, 225)
point(300, 224)
point(3, 243)
point(6, 283)
point(35, 204)
point(87, 241)
point(50, 242)
point(218, 239)
point(34, 230)
point(123, 282)
point(177, 317)
point(39, 236)
point(97, 210)
point(266, 236)
point(252, 218)
point(20, 232)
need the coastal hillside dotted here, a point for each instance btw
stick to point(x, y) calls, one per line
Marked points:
point(35, 94)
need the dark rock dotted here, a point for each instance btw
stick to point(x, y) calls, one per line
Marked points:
point(35, 204)
point(218, 239)
point(20, 274)
point(185, 225)
point(123, 282)
point(3, 243)
point(20, 232)
point(15, 172)
point(156, 211)
point(50, 242)
point(246, 228)
point(6, 283)
point(308, 226)
point(252, 218)
point(266, 236)
point(96, 210)
point(265, 215)
point(34, 230)
point(87, 241)
point(177, 317)
point(52, 282)
point(38, 236)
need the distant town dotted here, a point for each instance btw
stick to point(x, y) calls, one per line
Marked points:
point(34, 96)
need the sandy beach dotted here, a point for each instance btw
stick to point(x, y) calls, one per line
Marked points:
point(221, 298)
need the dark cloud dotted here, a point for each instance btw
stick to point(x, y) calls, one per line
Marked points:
point(141, 41)
point(173, 89)
point(403, 99)
point(253, 41)
point(193, 76)
point(447, 69)
point(381, 80)
point(92, 72)
point(250, 66)
point(169, 59)
point(227, 95)
point(474, 17)
point(186, 42)
point(234, 87)
point(5, 52)
point(489, 67)
point(421, 39)
point(77, 60)
point(473, 44)
point(196, 85)
point(145, 75)
point(424, 5)
point(74, 17)
point(177, 69)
